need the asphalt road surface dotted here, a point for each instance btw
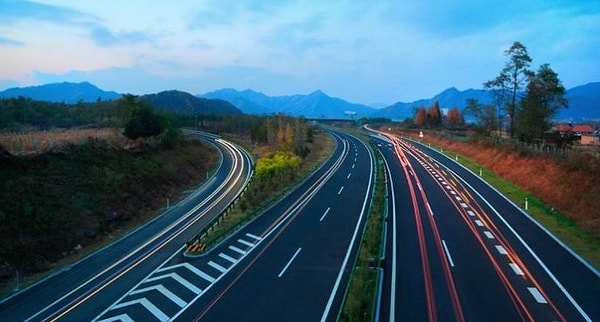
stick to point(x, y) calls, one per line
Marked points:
point(457, 250)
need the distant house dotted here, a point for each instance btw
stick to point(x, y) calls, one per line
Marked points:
point(584, 132)
point(591, 139)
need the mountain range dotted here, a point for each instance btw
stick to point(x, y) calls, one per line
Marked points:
point(179, 101)
point(583, 101)
point(69, 93)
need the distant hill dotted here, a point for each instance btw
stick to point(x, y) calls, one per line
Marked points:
point(179, 101)
point(314, 105)
point(584, 104)
point(584, 101)
point(69, 93)
point(449, 98)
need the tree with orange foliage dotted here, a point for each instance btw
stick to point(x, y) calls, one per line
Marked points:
point(454, 117)
point(420, 116)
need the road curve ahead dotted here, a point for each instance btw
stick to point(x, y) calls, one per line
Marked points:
point(457, 250)
point(80, 292)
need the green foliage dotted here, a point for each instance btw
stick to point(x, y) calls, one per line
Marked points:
point(53, 201)
point(279, 164)
point(485, 116)
point(144, 122)
point(361, 295)
point(543, 97)
point(19, 114)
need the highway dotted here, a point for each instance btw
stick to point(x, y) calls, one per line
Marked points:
point(293, 262)
point(81, 291)
point(457, 250)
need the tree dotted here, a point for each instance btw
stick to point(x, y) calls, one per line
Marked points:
point(511, 79)
point(454, 117)
point(143, 122)
point(543, 97)
point(485, 115)
point(420, 117)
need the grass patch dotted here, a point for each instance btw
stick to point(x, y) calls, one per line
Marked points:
point(361, 295)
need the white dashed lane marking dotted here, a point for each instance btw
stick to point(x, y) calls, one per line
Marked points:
point(516, 268)
point(501, 250)
point(537, 295)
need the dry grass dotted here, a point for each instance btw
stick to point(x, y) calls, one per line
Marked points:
point(44, 141)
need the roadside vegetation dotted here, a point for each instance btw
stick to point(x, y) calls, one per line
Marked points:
point(278, 169)
point(361, 296)
point(74, 177)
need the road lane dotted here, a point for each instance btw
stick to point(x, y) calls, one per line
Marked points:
point(495, 272)
point(316, 251)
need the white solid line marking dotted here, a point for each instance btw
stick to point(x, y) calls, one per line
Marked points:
point(164, 291)
point(537, 295)
point(253, 236)
point(488, 235)
point(120, 318)
point(478, 223)
point(349, 174)
point(471, 213)
point(342, 188)
point(237, 250)
point(228, 258)
point(195, 271)
point(289, 262)
point(447, 253)
point(325, 214)
point(179, 279)
point(501, 250)
point(247, 243)
point(217, 267)
point(148, 305)
point(516, 268)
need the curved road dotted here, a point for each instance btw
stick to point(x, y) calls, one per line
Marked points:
point(80, 291)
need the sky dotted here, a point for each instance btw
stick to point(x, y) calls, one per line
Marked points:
point(361, 51)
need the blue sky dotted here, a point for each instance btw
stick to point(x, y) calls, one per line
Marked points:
point(361, 51)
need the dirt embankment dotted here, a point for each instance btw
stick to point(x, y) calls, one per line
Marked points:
point(570, 184)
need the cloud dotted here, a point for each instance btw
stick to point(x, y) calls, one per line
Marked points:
point(12, 11)
point(10, 42)
point(104, 37)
